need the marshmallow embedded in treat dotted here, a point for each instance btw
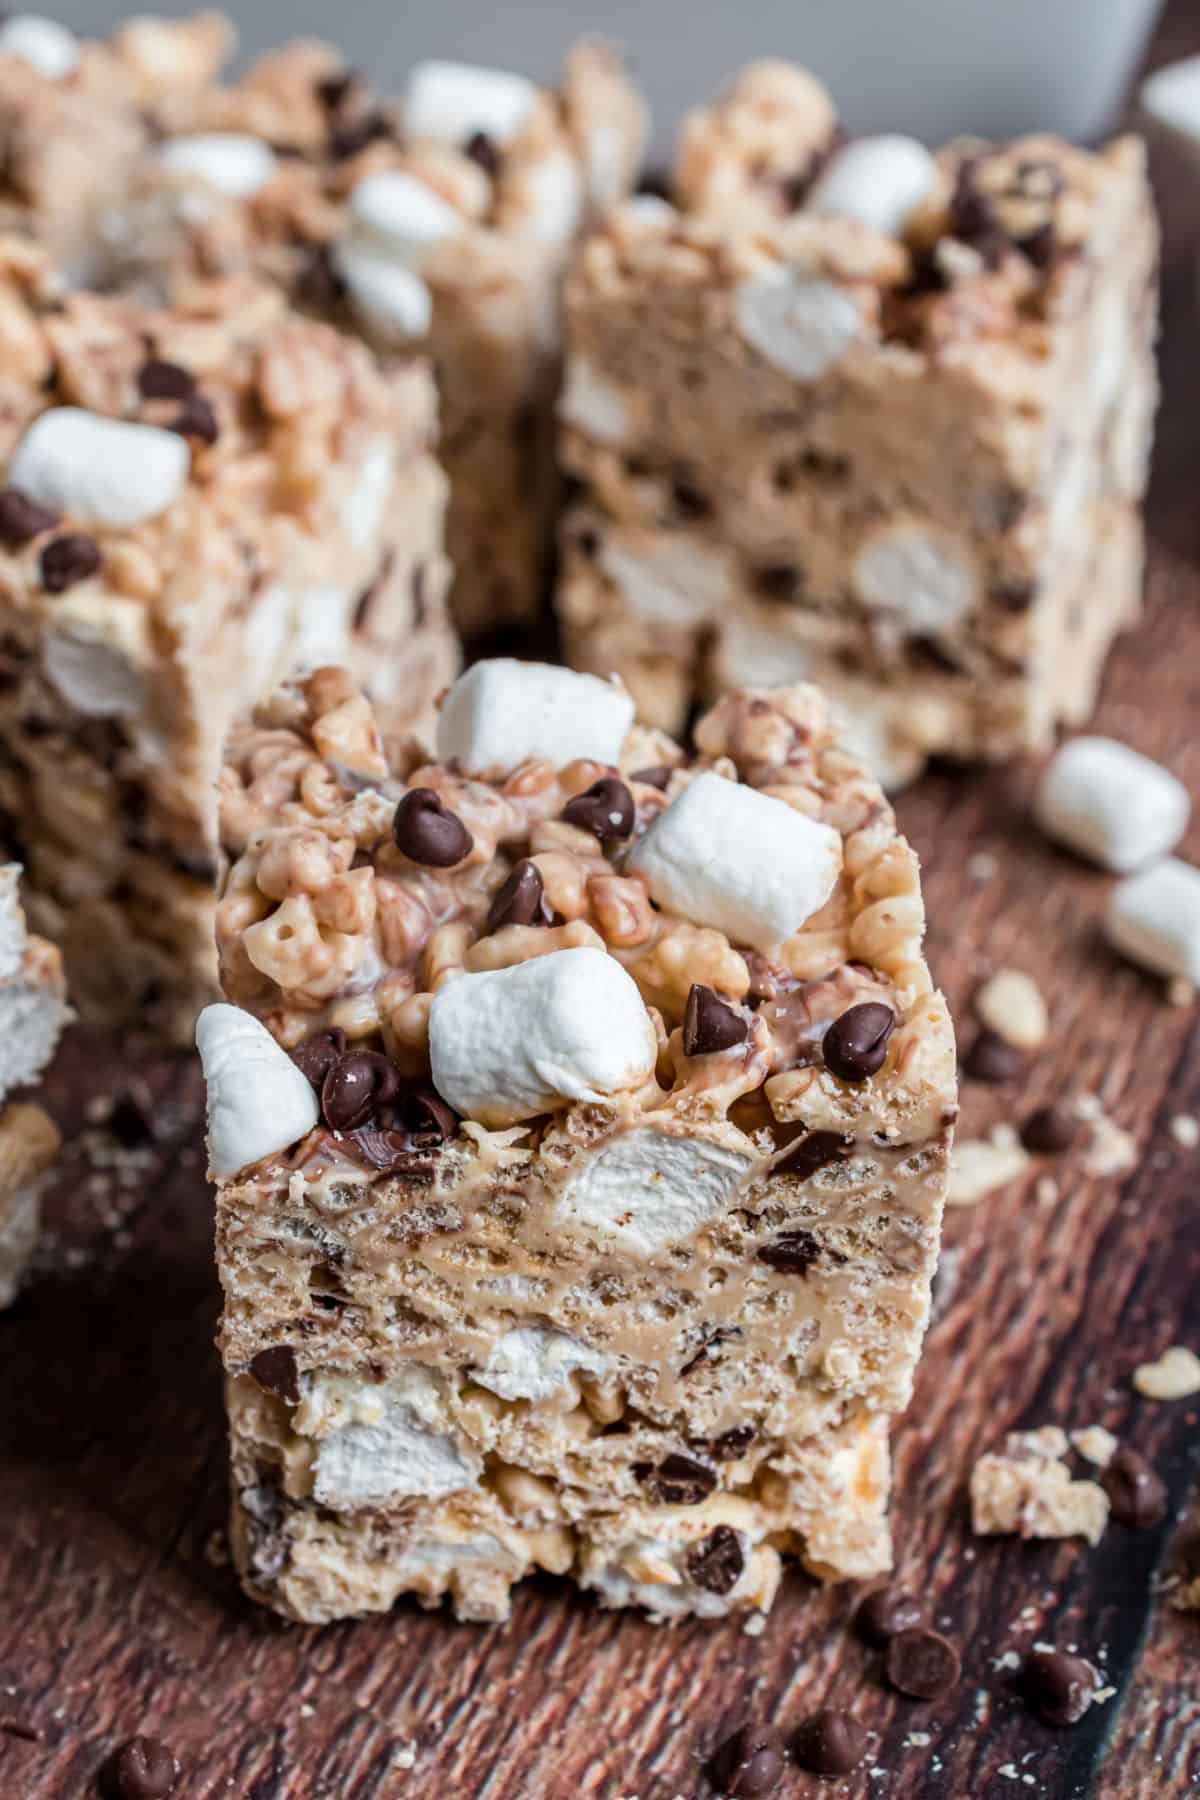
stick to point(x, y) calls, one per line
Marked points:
point(502, 712)
point(390, 298)
point(258, 1100)
point(1153, 918)
point(723, 854)
point(388, 1440)
point(511, 1043)
point(44, 44)
point(797, 322)
point(535, 1362)
point(646, 1189)
point(100, 471)
point(880, 181)
point(592, 405)
point(229, 162)
point(1111, 804)
point(924, 577)
point(401, 213)
point(450, 102)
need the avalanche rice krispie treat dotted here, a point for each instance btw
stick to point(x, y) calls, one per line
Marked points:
point(862, 414)
point(589, 1223)
point(194, 503)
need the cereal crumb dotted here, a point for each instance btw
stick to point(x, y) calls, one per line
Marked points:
point(982, 866)
point(1010, 1003)
point(404, 1757)
point(755, 1625)
point(1174, 1376)
point(1095, 1444)
point(1186, 1130)
point(1027, 1489)
point(1112, 1150)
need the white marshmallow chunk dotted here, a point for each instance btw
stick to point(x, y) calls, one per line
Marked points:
point(647, 1189)
point(385, 1443)
point(922, 577)
point(880, 181)
point(797, 322)
point(403, 213)
point(592, 405)
point(258, 1101)
point(1153, 918)
point(534, 1362)
point(511, 1043)
point(99, 471)
point(451, 101)
point(502, 712)
point(389, 297)
point(1172, 96)
point(1111, 804)
point(43, 43)
point(723, 854)
point(228, 162)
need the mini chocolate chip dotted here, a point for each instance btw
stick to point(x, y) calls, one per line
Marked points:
point(779, 581)
point(521, 900)
point(1050, 1130)
point(884, 1614)
point(922, 1663)
point(1058, 1688)
point(732, 1443)
point(749, 1763)
point(346, 141)
point(1013, 596)
point(392, 1152)
point(318, 282)
point(657, 777)
point(142, 1769)
point(992, 1058)
point(22, 519)
point(334, 90)
point(318, 1053)
point(689, 501)
point(717, 1562)
point(606, 809)
point(276, 1370)
point(855, 1046)
point(710, 1023)
point(68, 560)
point(484, 151)
point(1136, 1493)
point(427, 1119)
point(677, 1480)
point(830, 1743)
point(160, 380)
point(811, 1153)
point(427, 832)
point(131, 1121)
point(794, 1253)
point(196, 418)
point(356, 1086)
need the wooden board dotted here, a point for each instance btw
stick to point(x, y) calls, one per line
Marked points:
point(118, 1616)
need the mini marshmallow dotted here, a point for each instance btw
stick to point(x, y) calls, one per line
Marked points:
point(100, 471)
point(511, 1043)
point(536, 1363)
point(258, 1101)
point(1111, 804)
point(646, 1189)
point(797, 322)
point(390, 298)
point(1153, 918)
point(399, 211)
point(880, 181)
point(43, 43)
point(450, 102)
point(922, 577)
point(723, 854)
point(229, 162)
point(385, 1445)
point(1172, 96)
point(502, 713)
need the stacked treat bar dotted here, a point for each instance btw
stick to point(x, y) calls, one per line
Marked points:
point(589, 1224)
point(854, 413)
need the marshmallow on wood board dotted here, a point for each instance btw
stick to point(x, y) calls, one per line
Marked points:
point(228, 162)
point(502, 712)
point(452, 102)
point(1153, 918)
point(100, 471)
point(1111, 804)
point(258, 1100)
point(880, 181)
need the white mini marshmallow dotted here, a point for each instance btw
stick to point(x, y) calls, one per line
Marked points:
point(389, 297)
point(668, 579)
point(592, 405)
point(99, 471)
point(880, 181)
point(1154, 919)
point(554, 195)
point(511, 1043)
point(502, 712)
point(386, 1445)
point(1111, 804)
point(1172, 96)
point(43, 43)
point(723, 854)
point(647, 1189)
point(797, 322)
point(258, 1101)
point(451, 101)
point(534, 1362)
point(228, 162)
point(922, 577)
point(403, 213)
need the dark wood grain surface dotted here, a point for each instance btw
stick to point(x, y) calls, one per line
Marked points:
point(118, 1614)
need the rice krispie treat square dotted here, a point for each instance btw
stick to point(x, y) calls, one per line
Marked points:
point(581, 1119)
point(860, 414)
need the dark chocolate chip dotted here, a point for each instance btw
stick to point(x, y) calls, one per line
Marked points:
point(196, 418)
point(392, 1152)
point(22, 519)
point(657, 777)
point(884, 1614)
point(689, 501)
point(1136, 1493)
point(732, 1443)
point(160, 380)
point(812, 1152)
point(606, 809)
point(830, 1743)
point(17, 1728)
point(716, 1562)
point(318, 283)
point(1058, 1688)
point(131, 1121)
point(521, 900)
point(749, 1763)
point(334, 90)
point(992, 1058)
point(357, 1085)
point(428, 832)
point(1013, 596)
point(678, 1480)
point(429, 1122)
point(318, 1053)
point(484, 151)
point(922, 1663)
point(1050, 1130)
point(710, 1023)
point(276, 1370)
point(68, 560)
point(855, 1046)
point(346, 141)
point(142, 1769)
point(779, 581)
point(927, 651)
point(794, 1253)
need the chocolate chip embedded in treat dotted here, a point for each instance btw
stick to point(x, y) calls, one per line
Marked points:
point(276, 1370)
point(794, 1253)
point(855, 1046)
point(658, 777)
point(992, 1058)
point(732, 1443)
point(521, 900)
point(428, 832)
point(710, 1023)
point(779, 581)
point(811, 1153)
point(884, 1614)
point(22, 519)
point(1136, 1493)
point(427, 1119)
point(391, 1152)
point(922, 1663)
point(677, 1480)
point(196, 418)
point(1050, 1130)
point(161, 380)
point(142, 1769)
point(717, 1562)
point(334, 90)
point(830, 1743)
point(346, 141)
point(749, 1763)
point(68, 560)
point(1058, 1688)
point(606, 809)
point(318, 1053)
point(484, 151)
point(318, 283)
point(356, 1086)
point(689, 501)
